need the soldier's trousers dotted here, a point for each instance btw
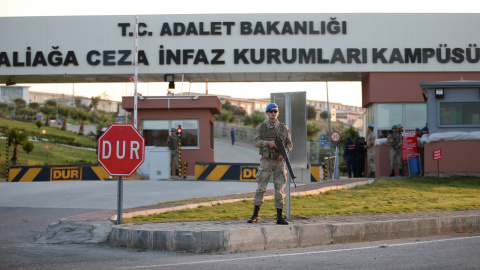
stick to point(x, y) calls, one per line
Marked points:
point(371, 159)
point(395, 158)
point(174, 159)
point(269, 166)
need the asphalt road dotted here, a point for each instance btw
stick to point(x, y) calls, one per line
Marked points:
point(18, 226)
point(26, 209)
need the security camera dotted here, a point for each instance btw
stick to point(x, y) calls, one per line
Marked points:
point(142, 98)
point(195, 98)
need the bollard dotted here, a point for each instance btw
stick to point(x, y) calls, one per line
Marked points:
point(179, 158)
point(325, 171)
point(7, 169)
point(185, 164)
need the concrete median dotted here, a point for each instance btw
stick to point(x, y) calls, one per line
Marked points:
point(237, 236)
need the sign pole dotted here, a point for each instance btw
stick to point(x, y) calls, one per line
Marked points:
point(288, 120)
point(329, 127)
point(135, 77)
point(119, 200)
point(437, 155)
point(438, 172)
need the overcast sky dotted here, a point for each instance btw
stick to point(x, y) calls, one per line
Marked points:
point(347, 93)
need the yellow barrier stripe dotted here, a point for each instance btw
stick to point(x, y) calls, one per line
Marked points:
point(100, 172)
point(13, 173)
point(218, 172)
point(315, 172)
point(30, 175)
point(199, 169)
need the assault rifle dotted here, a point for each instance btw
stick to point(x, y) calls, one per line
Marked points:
point(283, 152)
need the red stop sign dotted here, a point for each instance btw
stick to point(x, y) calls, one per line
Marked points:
point(121, 150)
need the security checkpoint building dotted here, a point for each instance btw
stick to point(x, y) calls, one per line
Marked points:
point(389, 53)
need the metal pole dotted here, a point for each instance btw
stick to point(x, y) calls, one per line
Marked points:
point(119, 200)
point(438, 173)
point(329, 127)
point(288, 120)
point(135, 77)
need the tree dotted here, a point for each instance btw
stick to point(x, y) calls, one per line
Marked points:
point(20, 103)
point(254, 119)
point(78, 102)
point(47, 113)
point(350, 132)
point(19, 138)
point(51, 102)
point(64, 111)
point(311, 113)
point(32, 113)
point(34, 106)
point(81, 115)
point(226, 117)
point(39, 123)
point(312, 131)
point(95, 102)
point(3, 107)
point(324, 115)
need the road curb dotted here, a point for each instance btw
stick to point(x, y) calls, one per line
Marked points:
point(251, 237)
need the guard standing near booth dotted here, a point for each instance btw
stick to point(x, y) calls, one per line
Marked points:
point(371, 151)
point(394, 140)
point(271, 161)
point(349, 156)
point(172, 143)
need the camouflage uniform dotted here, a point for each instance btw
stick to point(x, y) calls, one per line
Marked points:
point(395, 150)
point(371, 151)
point(172, 143)
point(269, 162)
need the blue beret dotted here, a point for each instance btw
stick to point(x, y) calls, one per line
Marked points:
point(370, 126)
point(271, 105)
point(394, 126)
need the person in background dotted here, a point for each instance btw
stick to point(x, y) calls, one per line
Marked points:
point(271, 162)
point(370, 146)
point(232, 135)
point(172, 143)
point(403, 163)
point(360, 156)
point(419, 137)
point(395, 142)
point(349, 156)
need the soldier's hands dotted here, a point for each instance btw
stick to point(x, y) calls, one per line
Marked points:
point(271, 144)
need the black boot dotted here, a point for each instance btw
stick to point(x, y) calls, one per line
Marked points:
point(371, 175)
point(393, 173)
point(400, 172)
point(349, 175)
point(280, 219)
point(254, 218)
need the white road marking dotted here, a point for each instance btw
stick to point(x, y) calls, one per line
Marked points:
point(300, 253)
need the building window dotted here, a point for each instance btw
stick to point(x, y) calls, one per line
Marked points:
point(415, 116)
point(459, 113)
point(388, 115)
point(156, 132)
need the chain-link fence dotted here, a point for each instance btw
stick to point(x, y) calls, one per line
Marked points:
point(242, 134)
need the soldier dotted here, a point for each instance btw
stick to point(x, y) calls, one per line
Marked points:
point(172, 143)
point(371, 151)
point(403, 163)
point(271, 162)
point(349, 156)
point(394, 140)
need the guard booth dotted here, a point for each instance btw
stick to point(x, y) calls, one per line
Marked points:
point(158, 114)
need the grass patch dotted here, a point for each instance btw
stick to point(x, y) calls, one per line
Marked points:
point(384, 196)
point(57, 154)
